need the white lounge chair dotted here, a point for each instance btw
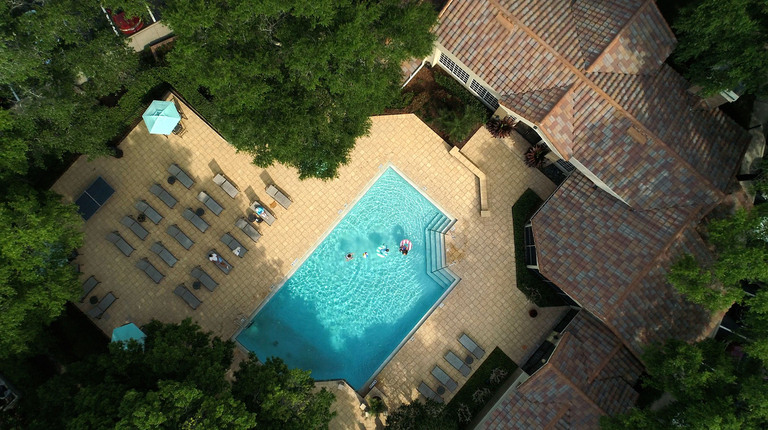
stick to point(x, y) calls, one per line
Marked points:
point(278, 195)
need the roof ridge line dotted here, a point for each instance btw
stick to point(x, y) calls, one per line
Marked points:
point(624, 28)
point(514, 21)
point(651, 264)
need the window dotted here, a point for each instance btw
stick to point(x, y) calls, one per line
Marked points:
point(454, 68)
point(565, 166)
point(484, 95)
point(530, 248)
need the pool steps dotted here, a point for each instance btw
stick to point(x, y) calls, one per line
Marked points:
point(435, 251)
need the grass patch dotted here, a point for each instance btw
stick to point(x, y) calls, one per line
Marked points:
point(479, 380)
point(534, 288)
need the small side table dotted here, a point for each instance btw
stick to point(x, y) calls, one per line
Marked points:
point(469, 359)
point(93, 300)
point(171, 180)
point(440, 390)
point(199, 211)
point(196, 285)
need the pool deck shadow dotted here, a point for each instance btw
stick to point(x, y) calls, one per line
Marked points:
point(485, 304)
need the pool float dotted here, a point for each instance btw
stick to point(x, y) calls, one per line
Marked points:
point(382, 251)
point(406, 244)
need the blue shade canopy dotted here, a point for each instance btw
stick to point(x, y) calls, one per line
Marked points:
point(161, 117)
point(128, 332)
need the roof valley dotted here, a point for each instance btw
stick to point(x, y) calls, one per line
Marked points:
point(503, 15)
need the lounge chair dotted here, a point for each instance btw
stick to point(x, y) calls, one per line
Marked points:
point(88, 286)
point(159, 249)
point(163, 195)
point(149, 211)
point(198, 222)
point(266, 215)
point(278, 195)
point(225, 185)
point(248, 229)
point(224, 265)
point(471, 346)
point(444, 379)
point(120, 243)
point(205, 279)
point(457, 363)
point(135, 227)
point(234, 245)
point(181, 176)
point(429, 394)
point(210, 203)
point(188, 297)
point(150, 270)
point(104, 304)
point(180, 237)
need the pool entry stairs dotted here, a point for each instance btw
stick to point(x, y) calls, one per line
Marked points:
point(435, 251)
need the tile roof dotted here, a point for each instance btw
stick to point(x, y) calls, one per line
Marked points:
point(589, 375)
point(613, 259)
point(590, 73)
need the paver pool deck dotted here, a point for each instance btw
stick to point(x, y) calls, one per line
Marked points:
point(485, 304)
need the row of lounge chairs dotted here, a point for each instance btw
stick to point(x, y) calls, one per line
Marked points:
point(457, 363)
point(150, 213)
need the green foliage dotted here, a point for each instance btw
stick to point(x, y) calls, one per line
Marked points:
point(741, 255)
point(711, 390)
point(295, 82)
point(460, 92)
point(756, 326)
point(105, 389)
point(182, 406)
point(377, 406)
point(534, 288)
point(429, 415)
point(37, 234)
point(281, 397)
point(699, 284)
point(723, 44)
point(481, 379)
point(460, 124)
point(60, 58)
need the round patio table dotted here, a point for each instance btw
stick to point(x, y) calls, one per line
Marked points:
point(200, 211)
point(171, 180)
point(469, 359)
point(440, 390)
point(197, 284)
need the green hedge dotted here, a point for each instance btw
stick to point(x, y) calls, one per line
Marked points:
point(481, 379)
point(534, 288)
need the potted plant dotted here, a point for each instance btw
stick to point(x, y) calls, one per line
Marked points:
point(536, 155)
point(500, 127)
point(376, 406)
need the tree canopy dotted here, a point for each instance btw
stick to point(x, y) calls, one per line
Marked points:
point(295, 82)
point(741, 244)
point(37, 234)
point(176, 380)
point(710, 389)
point(724, 44)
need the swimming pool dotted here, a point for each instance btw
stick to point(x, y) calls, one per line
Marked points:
point(342, 319)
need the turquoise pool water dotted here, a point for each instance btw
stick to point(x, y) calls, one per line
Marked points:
point(342, 319)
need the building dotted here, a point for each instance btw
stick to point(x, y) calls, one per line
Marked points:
point(649, 159)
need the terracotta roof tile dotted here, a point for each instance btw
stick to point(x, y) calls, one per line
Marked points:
point(590, 373)
point(593, 246)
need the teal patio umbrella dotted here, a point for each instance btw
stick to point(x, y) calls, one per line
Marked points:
point(161, 117)
point(127, 332)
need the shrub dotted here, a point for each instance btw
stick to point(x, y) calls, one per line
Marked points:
point(500, 127)
point(536, 155)
point(459, 125)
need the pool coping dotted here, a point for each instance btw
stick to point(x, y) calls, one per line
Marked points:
point(296, 264)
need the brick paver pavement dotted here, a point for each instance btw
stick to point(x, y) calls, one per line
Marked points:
point(485, 304)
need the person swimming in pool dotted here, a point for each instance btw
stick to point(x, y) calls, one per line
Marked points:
point(350, 256)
